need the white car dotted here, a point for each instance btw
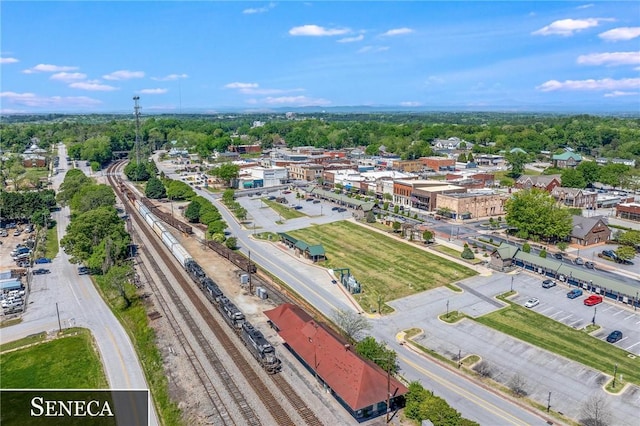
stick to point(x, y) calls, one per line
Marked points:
point(531, 303)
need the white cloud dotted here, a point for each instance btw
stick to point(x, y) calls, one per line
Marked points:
point(8, 60)
point(610, 58)
point(48, 68)
point(566, 27)
point(351, 39)
point(153, 91)
point(254, 89)
point(123, 75)
point(410, 104)
point(397, 31)
point(170, 77)
point(617, 93)
point(434, 80)
point(92, 85)
point(591, 84)
point(238, 85)
point(68, 77)
point(296, 100)
point(33, 100)
point(317, 31)
point(622, 33)
point(264, 9)
point(161, 107)
point(585, 6)
point(372, 49)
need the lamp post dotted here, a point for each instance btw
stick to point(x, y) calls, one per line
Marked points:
point(593, 320)
point(511, 282)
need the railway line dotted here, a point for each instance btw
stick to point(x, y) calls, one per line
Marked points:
point(261, 388)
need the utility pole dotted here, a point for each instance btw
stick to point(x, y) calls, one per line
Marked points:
point(459, 357)
point(59, 324)
point(136, 110)
point(615, 372)
point(511, 282)
point(549, 402)
point(249, 271)
point(593, 320)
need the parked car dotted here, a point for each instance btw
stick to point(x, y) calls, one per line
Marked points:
point(558, 256)
point(548, 283)
point(342, 210)
point(271, 197)
point(297, 207)
point(17, 233)
point(578, 261)
point(286, 192)
point(334, 208)
point(316, 201)
point(614, 336)
point(576, 292)
point(589, 265)
point(592, 300)
point(83, 270)
point(42, 260)
point(41, 271)
point(610, 254)
point(309, 199)
point(532, 302)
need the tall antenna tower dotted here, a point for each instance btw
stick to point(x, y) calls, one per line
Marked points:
point(136, 110)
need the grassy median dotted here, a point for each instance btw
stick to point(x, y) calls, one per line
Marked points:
point(558, 338)
point(383, 265)
point(284, 210)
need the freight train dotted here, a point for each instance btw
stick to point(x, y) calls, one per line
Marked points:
point(252, 338)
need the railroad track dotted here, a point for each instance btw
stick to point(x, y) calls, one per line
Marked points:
point(276, 409)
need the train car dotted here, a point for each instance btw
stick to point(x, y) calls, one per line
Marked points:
point(169, 240)
point(195, 271)
point(231, 313)
point(181, 254)
point(260, 348)
point(158, 227)
point(212, 290)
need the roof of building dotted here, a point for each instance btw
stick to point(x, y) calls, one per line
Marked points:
point(10, 284)
point(583, 225)
point(316, 250)
point(567, 269)
point(519, 150)
point(539, 180)
point(288, 237)
point(365, 205)
point(359, 383)
point(567, 155)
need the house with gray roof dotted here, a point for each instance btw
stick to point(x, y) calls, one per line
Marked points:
point(545, 182)
point(589, 230)
point(575, 197)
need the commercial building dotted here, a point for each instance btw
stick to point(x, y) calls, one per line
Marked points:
point(359, 385)
point(575, 197)
point(472, 205)
point(629, 211)
point(421, 193)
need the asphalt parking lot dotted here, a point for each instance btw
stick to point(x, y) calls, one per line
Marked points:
point(555, 304)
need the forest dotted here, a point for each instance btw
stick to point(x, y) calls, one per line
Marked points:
point(95, 137)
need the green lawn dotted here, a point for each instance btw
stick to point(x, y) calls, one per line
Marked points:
point(69, 363)
point(52, 248)
point(283, 210)
point(563, 340)
point(383, 265)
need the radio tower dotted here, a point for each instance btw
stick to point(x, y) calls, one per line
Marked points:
point(136, 110)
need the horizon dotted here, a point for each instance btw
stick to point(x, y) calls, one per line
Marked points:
point(264, 57)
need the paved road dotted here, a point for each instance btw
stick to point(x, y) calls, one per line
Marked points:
point(79, 304)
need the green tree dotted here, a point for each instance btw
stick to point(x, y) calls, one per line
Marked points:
point(630, 238)
point(462, 158)
point(74, 180)
point(590, 171)
point(92, 196)
point(226, 171)
point(396, 209)
point(543, 253)
point(192, 212)
point(526, 247)
point(562, 246)
point(467, 253)
point(377, 352)
point(155, 188)
point(534, 212)
point(427, 236)
point(396, 226)
point(572, 178)
point(137, 172)
point(231, 242)
point(613, 174)
point(626, 252)
point(517, 160)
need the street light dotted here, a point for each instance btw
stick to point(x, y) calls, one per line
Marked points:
point(511, 282)
point(593, 320)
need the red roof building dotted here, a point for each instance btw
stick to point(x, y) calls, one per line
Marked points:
point(358, 384)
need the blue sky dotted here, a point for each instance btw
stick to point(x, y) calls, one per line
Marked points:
point(212, 56)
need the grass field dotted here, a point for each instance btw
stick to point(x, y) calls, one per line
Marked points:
point(52, 248)
point(283, 210)
point(383, 265)
point(69, 362)
point(563, 340)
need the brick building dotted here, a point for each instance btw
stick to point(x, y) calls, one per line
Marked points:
point(589, 230)
point(575, 197)
point(439, 164)
point(629, 211)
point(472, 205)
point(546, 182)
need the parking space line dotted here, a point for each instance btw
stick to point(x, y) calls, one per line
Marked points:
point(637, 322)
point(562, 319)
point(557, 313)
point(574, 323)
point(545, 310)
point(623, 339)
point(630, 316)
point(635, 344)
point(618, 313)
point(608, 307)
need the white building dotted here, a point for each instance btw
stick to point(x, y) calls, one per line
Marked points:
point(263, 177)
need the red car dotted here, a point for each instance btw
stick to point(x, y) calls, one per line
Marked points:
point(594, 299)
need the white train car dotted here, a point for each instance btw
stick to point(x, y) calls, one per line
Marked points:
point(169, 240)
point(158, 227)
point(180, 254)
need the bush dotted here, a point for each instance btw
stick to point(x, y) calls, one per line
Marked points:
point(467, 253)
point(483, 369)
point(543, 253)
point(526, 247)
